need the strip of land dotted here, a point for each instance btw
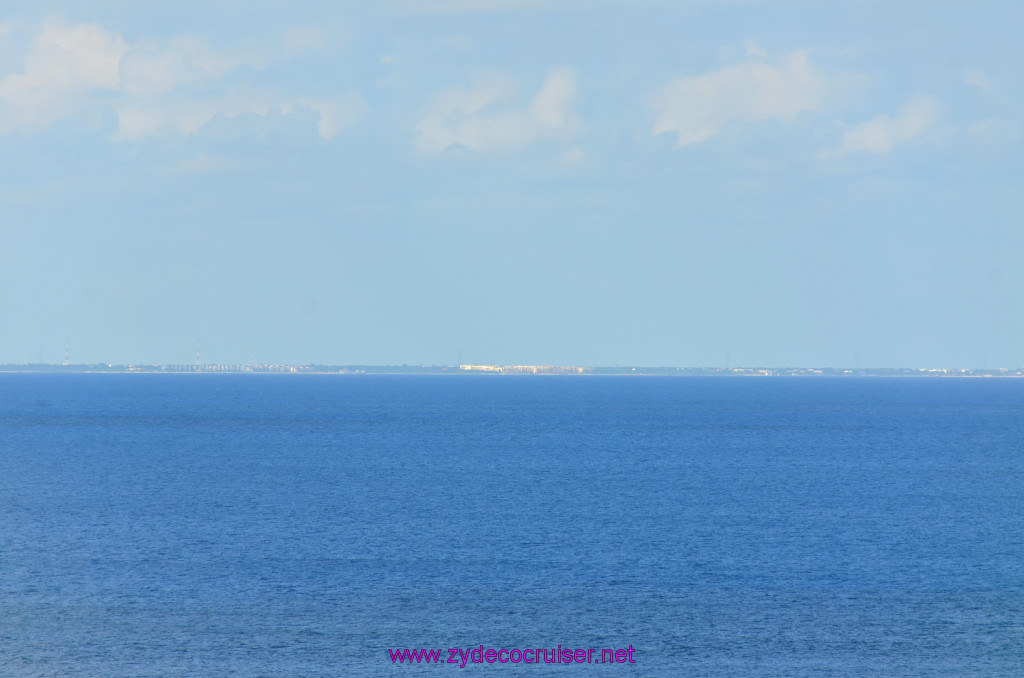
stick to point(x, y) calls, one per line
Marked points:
point(496, 370)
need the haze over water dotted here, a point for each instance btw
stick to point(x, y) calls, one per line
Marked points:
point(196, 525)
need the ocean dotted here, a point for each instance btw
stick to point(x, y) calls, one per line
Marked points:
point(314, 525)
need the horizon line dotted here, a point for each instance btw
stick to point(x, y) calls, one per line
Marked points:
point(503, 369)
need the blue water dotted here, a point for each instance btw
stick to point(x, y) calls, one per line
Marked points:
point(261, 525)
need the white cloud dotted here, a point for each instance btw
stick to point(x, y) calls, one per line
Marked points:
point(298, 40)
point(152, 76)
point(550, 106)
point(981, 81)
point(883, 133)
point(258, 54)
point(483, 119)
point(752, 50)
point(468, 6)
point(456, 101)
point(216, 62)
point(64, 65)
point(155, 89)
point(697, 108)
point(574, 158)
point(149, 70)
point(150, 73)
point(85, 53)
point(188, 61)
point(336, 114)
point(186, 116)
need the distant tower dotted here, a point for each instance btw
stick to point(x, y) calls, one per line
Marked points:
point(67, 353)
point(197, 354)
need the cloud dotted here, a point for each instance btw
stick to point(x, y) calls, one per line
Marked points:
point(298, 40)
point(186, 116)
point(574, 158)
point(980, 80)
point(149, 73)
point(171, 88)
point(217, 61)
point(883, 133)
point(455, 101)
point(482, 118)
point(156, 78)
point(550, 106)
point(64, 65)
point(336, 114)
point(467, 6)
point(150, 70)
point(753, 50)
point(697, 108)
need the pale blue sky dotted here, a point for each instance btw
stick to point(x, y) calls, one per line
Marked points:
point(612, 183)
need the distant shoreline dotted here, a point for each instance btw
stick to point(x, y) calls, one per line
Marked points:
point(513, 370)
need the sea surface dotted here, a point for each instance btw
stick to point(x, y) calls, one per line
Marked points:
point(299, 525)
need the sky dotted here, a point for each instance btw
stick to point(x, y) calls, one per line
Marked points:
point(690, 183)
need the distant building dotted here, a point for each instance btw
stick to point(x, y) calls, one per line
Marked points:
point(525, 369)
point(480, 368)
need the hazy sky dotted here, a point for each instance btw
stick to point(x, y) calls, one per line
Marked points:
point(613, 183)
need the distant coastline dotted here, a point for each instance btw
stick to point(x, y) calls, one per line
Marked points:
point(516, 370)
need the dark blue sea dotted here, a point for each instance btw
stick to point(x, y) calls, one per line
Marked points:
point(262, 525)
